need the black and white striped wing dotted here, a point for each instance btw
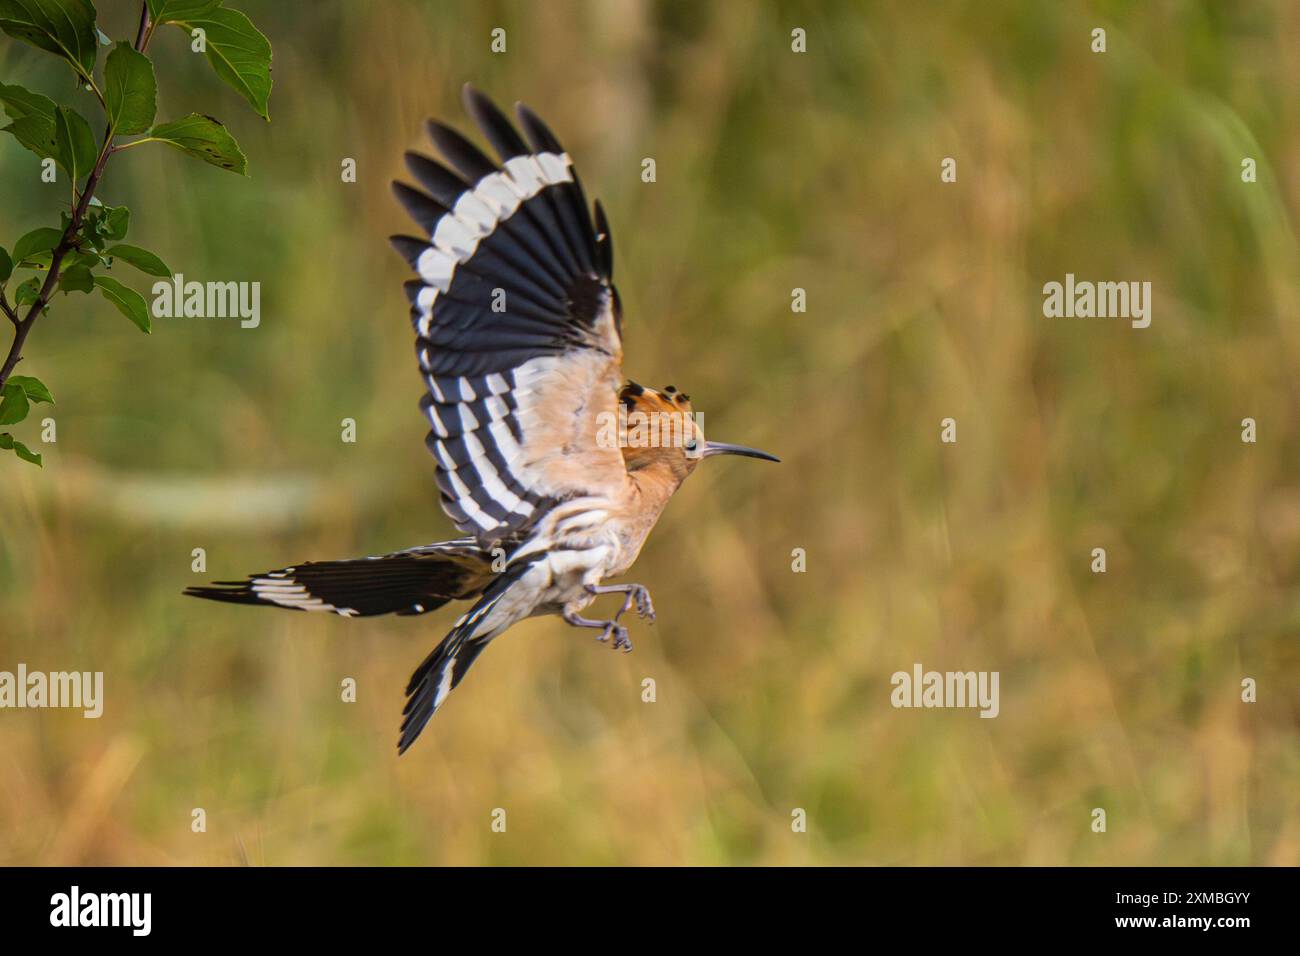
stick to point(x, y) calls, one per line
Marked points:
point(517, 323)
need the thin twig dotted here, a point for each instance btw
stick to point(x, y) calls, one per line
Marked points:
point(68, 241)
point(7, 309)
point(145, 29)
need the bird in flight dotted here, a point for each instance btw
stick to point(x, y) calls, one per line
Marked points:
point(552, 467)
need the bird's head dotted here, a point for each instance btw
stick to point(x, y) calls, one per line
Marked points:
point(660, 429)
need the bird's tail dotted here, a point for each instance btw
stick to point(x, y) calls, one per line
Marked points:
point(414, 581)
point(447, 663)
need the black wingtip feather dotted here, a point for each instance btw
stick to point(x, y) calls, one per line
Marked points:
point(539, 134)
point(460, 152)
point(503, 137)
point(438, 181)
point(409, 248)
point(425, 210)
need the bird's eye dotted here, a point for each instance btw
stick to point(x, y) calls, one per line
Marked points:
point(690, 444)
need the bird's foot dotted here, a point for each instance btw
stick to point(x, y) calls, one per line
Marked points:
point(607, 629)
point(621, 640)
point(637, 595)
point(645, 608)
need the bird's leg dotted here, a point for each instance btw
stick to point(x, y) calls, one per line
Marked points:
point(621, 640)
point(637, 594)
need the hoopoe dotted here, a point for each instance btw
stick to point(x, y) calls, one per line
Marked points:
point(519, 340)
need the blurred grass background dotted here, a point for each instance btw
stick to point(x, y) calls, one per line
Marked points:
point(775, 170)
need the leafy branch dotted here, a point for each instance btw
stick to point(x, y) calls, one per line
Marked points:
point(89, 235)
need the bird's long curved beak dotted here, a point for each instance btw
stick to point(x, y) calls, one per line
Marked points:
point(722, 448)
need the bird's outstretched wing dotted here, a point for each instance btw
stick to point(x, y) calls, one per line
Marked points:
point(518, 325)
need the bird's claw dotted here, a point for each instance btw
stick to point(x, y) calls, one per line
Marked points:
point(638, 596)
point(621, 640)
point(644, 606)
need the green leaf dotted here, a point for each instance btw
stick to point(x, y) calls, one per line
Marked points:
point(203, 138)
point(33, 388)
point(19, 102)
point(33, 119)
point(65, 28)
point(129, 302)
point(28, 292)
point(13, 404)
point(104, 223)
point(142, 259)
point(87, 260)
point(168, 11)
point(76, 143)
point(34, 134)
point(6, 266)
point(76, 279)
point(237, 50)
point(38, 240)
point(130, 88)
point(8, 442)
point(116, 221)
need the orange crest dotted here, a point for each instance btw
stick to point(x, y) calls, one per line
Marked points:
point(657, 426)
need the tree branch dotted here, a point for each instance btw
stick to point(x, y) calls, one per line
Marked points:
point(145, 30)
point(7, 309)
point(68, 241)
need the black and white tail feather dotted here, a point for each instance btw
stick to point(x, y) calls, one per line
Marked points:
point(414, 581)
point(440, 672)
point(515, 278)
